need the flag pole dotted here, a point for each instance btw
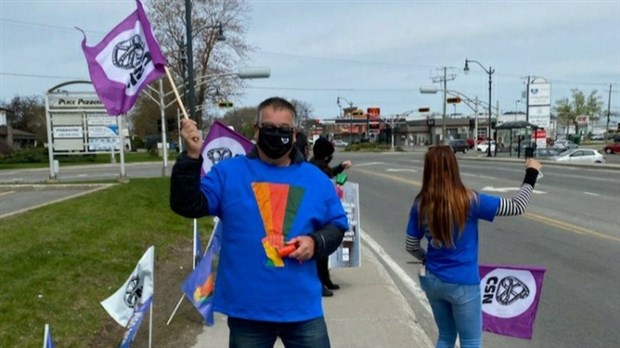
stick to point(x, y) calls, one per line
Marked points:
point(183, 296)
point(47, 331)
point(195, 242)
point(176, 93)
point(151, 324)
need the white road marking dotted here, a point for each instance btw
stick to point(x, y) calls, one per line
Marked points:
point(507, 189)
point(368, 164)
point(401, 170)
point(410, 284)
point(591, 194)
point(6, 193)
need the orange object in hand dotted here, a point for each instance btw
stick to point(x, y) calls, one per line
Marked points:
point(286, 250)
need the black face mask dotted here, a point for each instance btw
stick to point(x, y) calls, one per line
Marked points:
point(275, 142)
point(328, 159)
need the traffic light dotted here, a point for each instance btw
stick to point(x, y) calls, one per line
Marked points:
point(225, 104)
point(358, 112)
point(472, 123)
point(171, 124)
point(424, 109)
point(159, 125)
point(453, 100)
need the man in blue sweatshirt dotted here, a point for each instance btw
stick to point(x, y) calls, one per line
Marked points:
point(266, 200)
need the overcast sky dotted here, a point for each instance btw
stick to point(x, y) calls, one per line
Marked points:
point(371, 53)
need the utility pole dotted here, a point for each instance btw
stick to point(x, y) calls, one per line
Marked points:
point(608, 114)
point(527, 100)
point(445, 78)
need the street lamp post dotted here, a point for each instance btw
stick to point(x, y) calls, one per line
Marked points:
point(244, 73)
point(490, 72)
point(350, 117)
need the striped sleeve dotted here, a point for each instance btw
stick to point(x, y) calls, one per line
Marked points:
point(412, 244)
point(517, 204)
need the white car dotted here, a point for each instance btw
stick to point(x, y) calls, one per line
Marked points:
point(580, 156)
point(563, 145)
point(483, 146)
point(340, 143)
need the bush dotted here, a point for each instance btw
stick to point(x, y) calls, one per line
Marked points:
point(28, 155)
point(369, 147)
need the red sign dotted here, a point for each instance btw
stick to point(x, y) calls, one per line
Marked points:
point(373, 111)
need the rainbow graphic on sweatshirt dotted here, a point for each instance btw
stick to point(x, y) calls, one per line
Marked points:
point(278, 205)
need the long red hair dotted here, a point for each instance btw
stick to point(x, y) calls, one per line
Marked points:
point(443, 201)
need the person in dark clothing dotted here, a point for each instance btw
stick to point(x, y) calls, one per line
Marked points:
point(322, 154)
point(302, 145)
point(264, 293)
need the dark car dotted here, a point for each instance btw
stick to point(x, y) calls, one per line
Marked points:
point(459, 145)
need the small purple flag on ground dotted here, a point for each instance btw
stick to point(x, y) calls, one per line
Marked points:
point(222, 143)
point(510, 296)
point(200, 284)
point(124, 62)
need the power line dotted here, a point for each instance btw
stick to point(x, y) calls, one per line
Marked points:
point(40, 76)
point(43, 25)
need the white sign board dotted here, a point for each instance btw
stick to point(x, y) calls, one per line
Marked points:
point(102, 131)
point(540, 116)
point(103, 144)
point(539, 94)
point(68, 132)
point(73, 101)
point(348, 253)
point(539, 104)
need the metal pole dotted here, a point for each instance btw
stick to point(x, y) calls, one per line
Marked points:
point(190, 63)
point(50, 142)
point(445, 86)
point(476, 124)
point(164, 140)
point(608, 114)
point(527, 101)
point(121, 137)
point(490, 128)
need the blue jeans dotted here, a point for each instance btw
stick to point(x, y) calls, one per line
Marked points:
point(457, 310)
point(263, 334)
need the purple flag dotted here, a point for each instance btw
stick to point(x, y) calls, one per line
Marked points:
point(200, 284)
point(222, 143)
point(510, 296)
point(124, 62)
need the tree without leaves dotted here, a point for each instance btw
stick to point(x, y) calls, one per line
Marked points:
point(579, 105)
point(210, 56)
point(304, 111)
point(27, 113)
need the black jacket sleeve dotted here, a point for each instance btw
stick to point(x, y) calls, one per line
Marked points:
point(337, 169)
point(186, 199)
point(326, 240)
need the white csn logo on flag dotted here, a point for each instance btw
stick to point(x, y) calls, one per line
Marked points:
point(219, 150)
point(507, 293)
point(127, 51)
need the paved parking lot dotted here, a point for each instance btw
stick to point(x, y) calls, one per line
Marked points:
point(15, 199)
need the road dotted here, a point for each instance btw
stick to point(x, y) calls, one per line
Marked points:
point(571, 228)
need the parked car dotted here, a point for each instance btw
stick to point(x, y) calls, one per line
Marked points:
point(483, 147)
point(545, 153)
point(612, 148)
point(563, 145)
point(339, 143)
point(459, 145)
point(580, 156)
point(597, 137)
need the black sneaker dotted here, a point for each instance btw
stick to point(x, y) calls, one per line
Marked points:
point(327, 292)
point(332, 286)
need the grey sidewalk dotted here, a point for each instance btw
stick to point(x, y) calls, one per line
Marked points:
point(368, 311)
